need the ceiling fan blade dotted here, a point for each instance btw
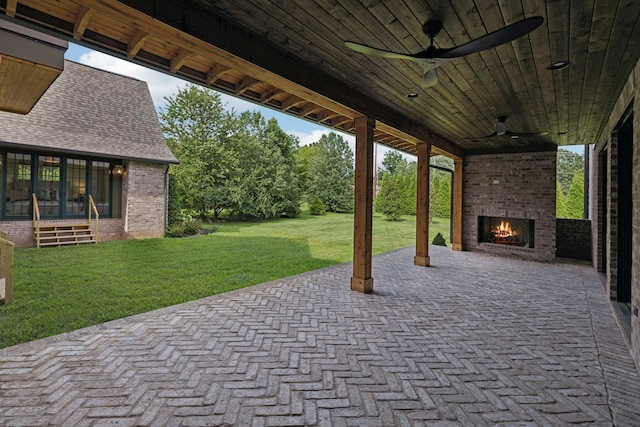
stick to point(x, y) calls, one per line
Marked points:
point(493, 135)
point(368, 50)
point(430, 78)
point(496, 38)
point(525, 134)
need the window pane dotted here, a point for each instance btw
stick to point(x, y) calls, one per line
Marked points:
point(100, 190)
point(18, 185)
point(76, 186)
point(49, 185)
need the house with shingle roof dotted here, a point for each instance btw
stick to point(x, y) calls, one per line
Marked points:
point(92, 144)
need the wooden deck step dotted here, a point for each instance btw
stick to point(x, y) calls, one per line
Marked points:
point(65, 234)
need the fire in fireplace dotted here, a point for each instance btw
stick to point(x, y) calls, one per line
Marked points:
point(506, 231)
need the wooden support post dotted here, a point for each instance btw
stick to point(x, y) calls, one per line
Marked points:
point(6, 268)
point(422, 208)
point(363, 208)
point(456, 244)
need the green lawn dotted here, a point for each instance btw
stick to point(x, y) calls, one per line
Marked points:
point(61, 289)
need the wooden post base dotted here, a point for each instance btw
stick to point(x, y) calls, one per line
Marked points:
point(362, 285)
point(456, 247)
point(422, 261)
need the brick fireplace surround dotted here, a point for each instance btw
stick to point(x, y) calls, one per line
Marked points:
point(514, 185)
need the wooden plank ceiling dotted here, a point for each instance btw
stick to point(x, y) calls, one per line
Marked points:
point(290, 55)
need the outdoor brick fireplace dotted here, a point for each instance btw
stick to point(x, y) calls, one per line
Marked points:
point(515, 232)
point(509, 204)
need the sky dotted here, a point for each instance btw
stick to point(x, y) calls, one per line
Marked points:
point(163, 85)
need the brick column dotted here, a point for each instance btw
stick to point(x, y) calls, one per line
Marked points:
point(422, 208)
point(361, 280)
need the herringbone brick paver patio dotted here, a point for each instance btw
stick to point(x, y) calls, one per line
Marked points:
point(472, 340)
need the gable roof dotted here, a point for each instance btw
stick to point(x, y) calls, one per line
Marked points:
point(91, 112)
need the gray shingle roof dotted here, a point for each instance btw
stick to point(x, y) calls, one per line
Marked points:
point(94, 112)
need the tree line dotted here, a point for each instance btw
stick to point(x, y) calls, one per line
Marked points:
point(241, 165)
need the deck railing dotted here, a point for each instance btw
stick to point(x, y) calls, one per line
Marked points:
point(36, 219)
point(93, 211)
point(6, 269)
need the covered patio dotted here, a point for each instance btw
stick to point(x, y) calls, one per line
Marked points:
point(473, 340)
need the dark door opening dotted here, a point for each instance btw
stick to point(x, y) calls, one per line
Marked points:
point(625, 208)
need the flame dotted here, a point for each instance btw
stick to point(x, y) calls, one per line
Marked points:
point(503, 230)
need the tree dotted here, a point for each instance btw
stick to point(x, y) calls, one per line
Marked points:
point(229, 161)
point(174, 203)
point(303, 157)
point(393, 162)
point(441, 184)
point(575, 197)
point(269, 186)
point(330, 174)
point(390, 202)
point(567, 165)
point(197, 129)
point(561, 204)
point(407, 177)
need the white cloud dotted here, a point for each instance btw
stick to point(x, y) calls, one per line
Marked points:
point(308, 138)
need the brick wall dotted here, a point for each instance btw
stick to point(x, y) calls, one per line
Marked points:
point(604, 198)
point(516, 185)
point(573, 238)
point(143, 209)
point(144, 201)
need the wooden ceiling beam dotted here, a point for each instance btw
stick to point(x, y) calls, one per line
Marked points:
point(135, 44)
point(327, 116)
point(247, 53)
point(82, 20)
point(178, 61)
point(311, 109)
point(11, 7)
point(198, 30)
point(245, 85)
point(216, 72)
point(268, 95)
point(292, 101)
point(344, 121)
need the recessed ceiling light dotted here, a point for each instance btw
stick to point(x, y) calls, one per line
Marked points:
point(412, 95)
point(515, 136)
point(558, 65)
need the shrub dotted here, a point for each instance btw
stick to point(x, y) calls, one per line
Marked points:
point(187, 226)
point(176, 230)
point(317, 207)
point(191, 226)
point(439, 240)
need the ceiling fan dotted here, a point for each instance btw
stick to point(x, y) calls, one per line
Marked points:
point(500, 129)
point(433, 57)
